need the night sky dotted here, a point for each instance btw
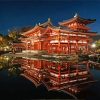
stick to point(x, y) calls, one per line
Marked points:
point(21, 13)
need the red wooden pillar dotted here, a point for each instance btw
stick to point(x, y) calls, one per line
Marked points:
point(58, 49)
point(39, 45)
point(62, 49)
point(87, 47)
point(50, 48)
point(69, 49)
point(66, 48)
point(27, 45)
point(76, 45)
point(59, 45)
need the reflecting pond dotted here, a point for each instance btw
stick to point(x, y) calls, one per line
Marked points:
point(31, 78)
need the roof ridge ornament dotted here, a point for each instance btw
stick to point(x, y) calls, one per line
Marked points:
point(49, 19)
point(39, 24)
point(76, 15)
point(36, 24)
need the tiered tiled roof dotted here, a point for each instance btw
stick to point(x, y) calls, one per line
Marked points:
point(47, 23)
point(78, 19)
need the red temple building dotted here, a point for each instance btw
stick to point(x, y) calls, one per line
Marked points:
point(71, 36)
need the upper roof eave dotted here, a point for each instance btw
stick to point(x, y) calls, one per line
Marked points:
point(32, 30)
point(67, 31)
point(77, 18)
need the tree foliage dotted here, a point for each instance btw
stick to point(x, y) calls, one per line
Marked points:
point(13, 36)
point(15, 33)
point(97, 44)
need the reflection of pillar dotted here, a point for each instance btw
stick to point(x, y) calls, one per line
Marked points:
point(67, 78)
point(59, 74)
point(76, 68)
point(87, 66)
point(68, 71)
point(76, 71)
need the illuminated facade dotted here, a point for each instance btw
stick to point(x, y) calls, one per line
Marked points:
point(70, 37)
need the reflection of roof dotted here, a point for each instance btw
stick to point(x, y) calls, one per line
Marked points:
point(78, 19)
point(32, 79)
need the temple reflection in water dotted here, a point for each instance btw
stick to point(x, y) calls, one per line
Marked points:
point(70, 77)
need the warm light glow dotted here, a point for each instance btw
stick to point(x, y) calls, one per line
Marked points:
point(7, 47)
point(93, 45)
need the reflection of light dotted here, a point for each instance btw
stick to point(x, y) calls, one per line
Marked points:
point(6, 58)
point(28, 42)
point(93, 45)
point(7, 47)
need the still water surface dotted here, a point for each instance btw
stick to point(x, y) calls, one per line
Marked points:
point(14, 85)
